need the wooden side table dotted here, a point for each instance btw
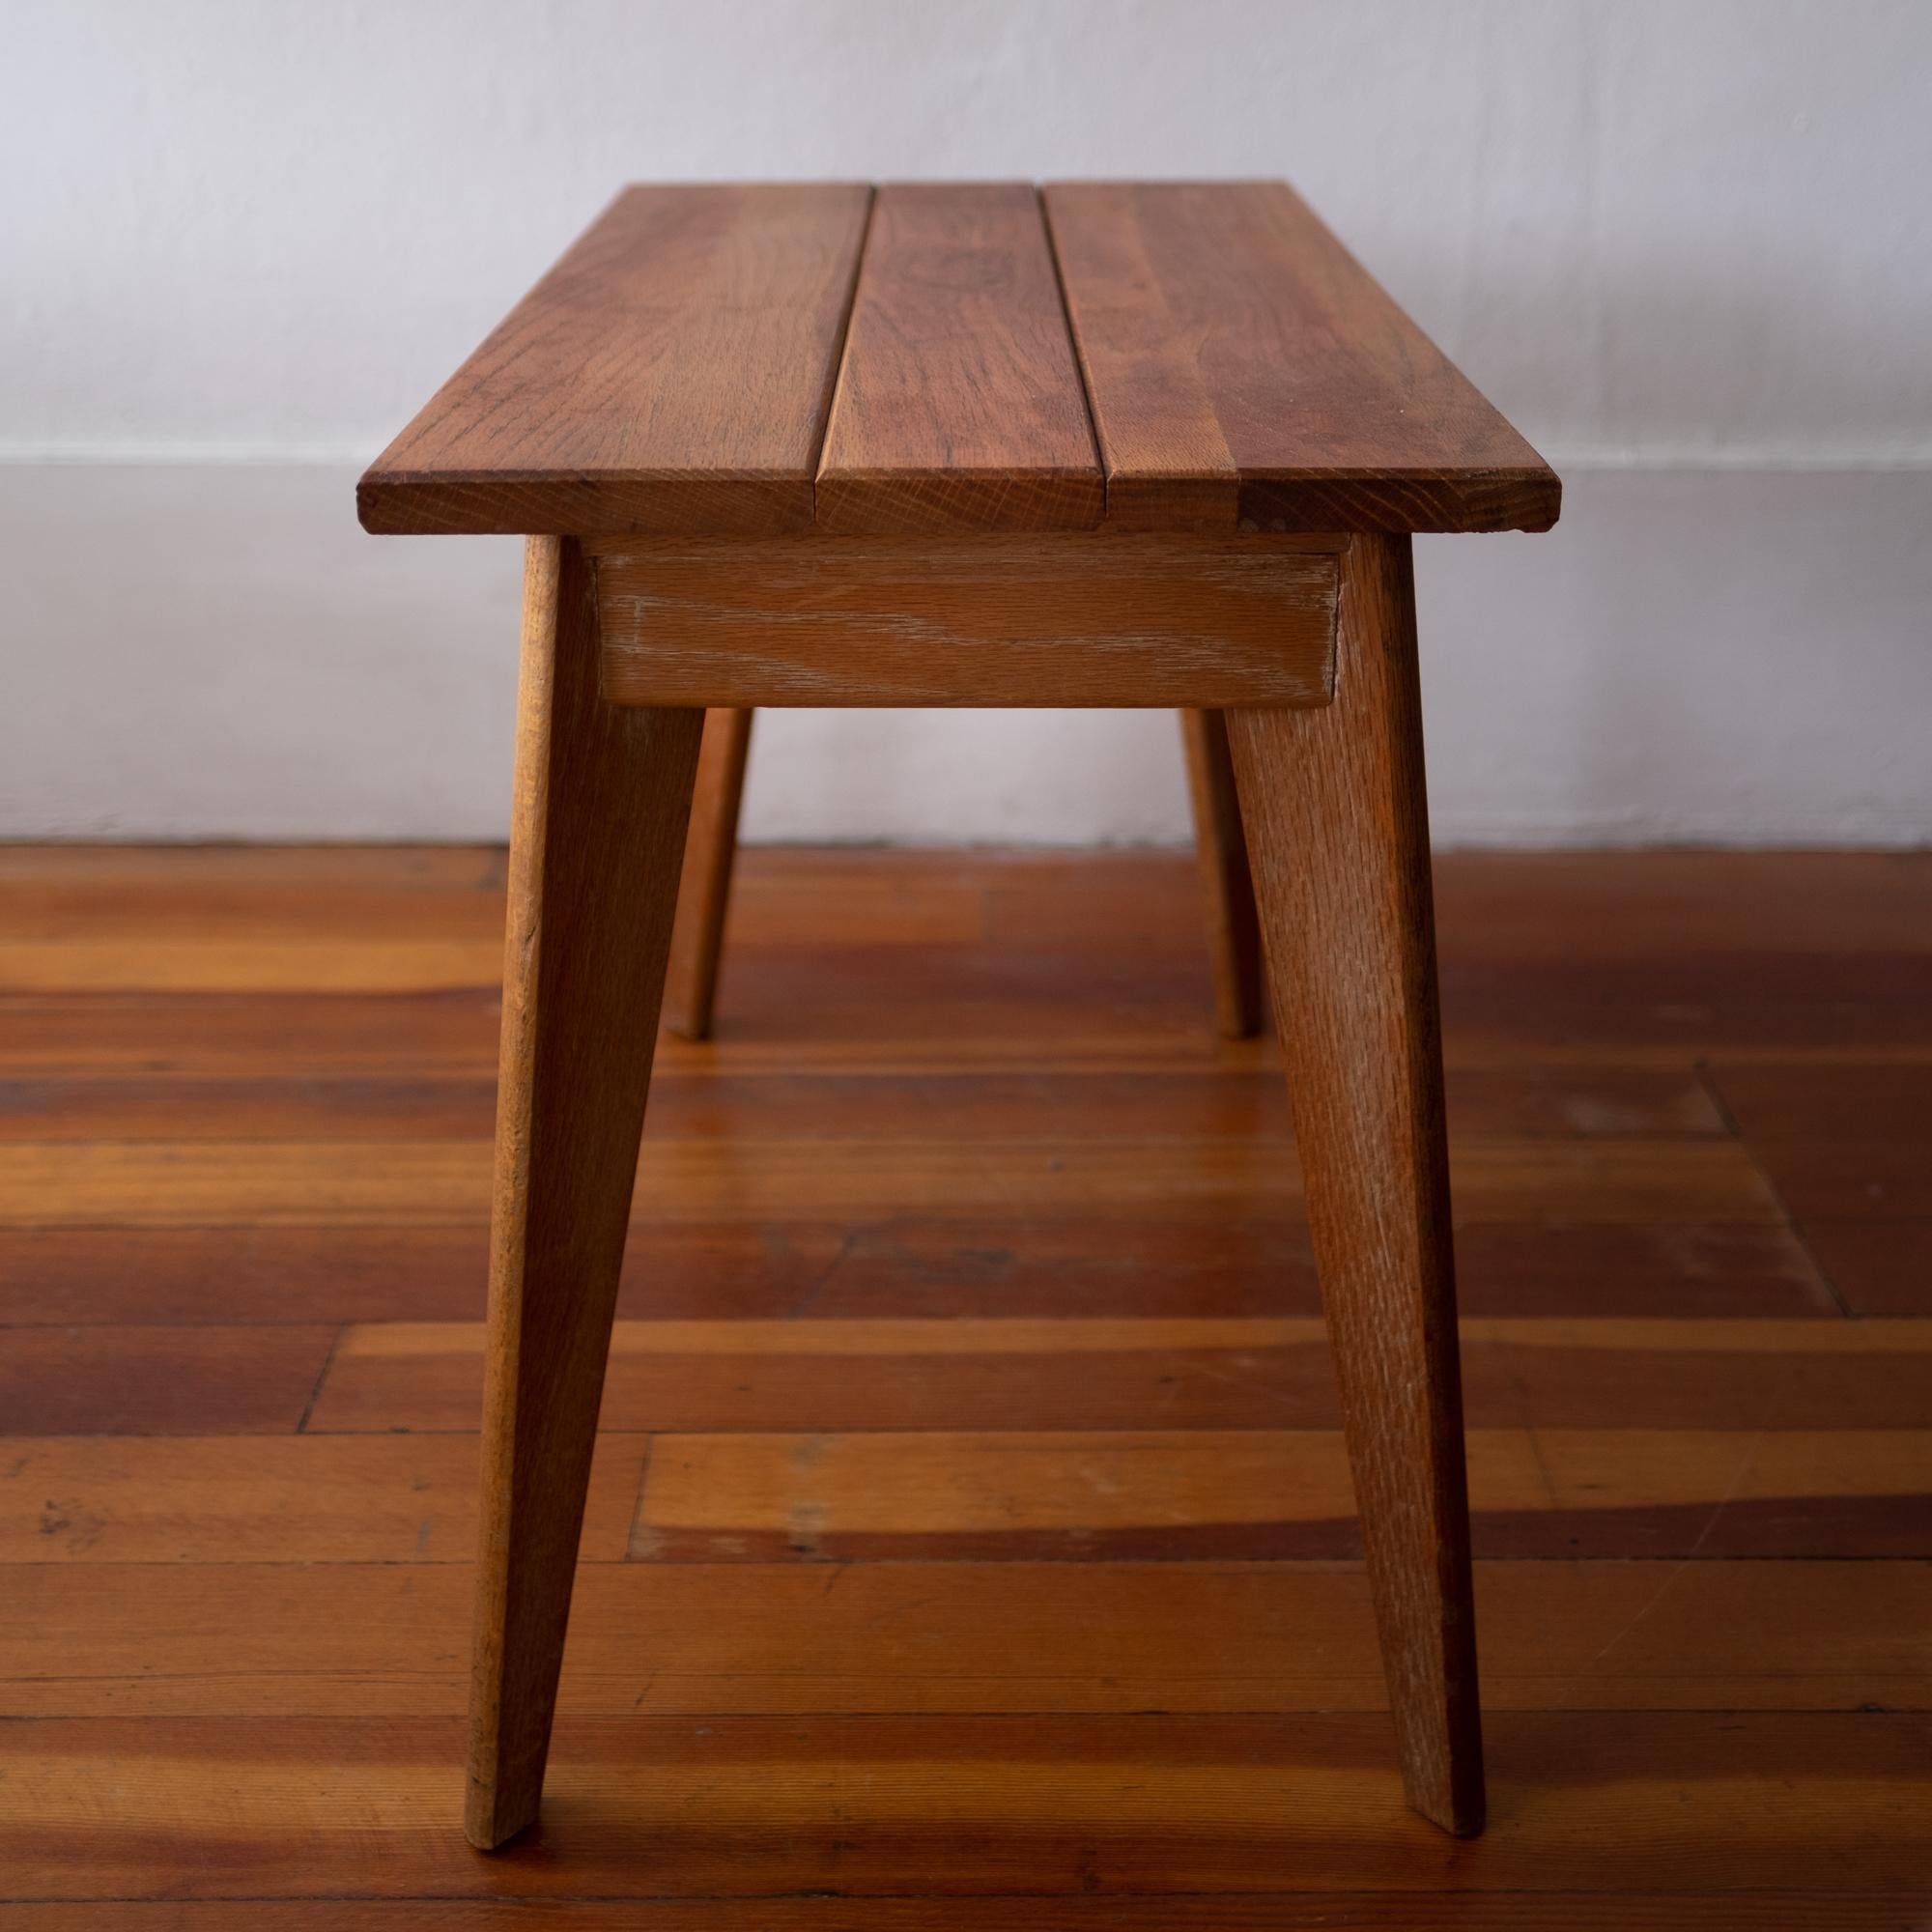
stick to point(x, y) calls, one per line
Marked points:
point(1108, 445)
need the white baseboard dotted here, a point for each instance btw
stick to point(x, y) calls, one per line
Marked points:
point(208, 649)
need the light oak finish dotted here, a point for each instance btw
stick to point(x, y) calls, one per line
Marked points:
point(1227, 887)
point(1077, 620)
point(1338, 830)
point(704, 889)
point(602, 800)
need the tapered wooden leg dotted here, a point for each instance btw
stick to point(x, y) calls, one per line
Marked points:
point(1338, 831)
point(1233, 937)
point(697, 938)
point(602, 798)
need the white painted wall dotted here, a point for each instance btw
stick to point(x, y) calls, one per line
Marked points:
point(1686, 244)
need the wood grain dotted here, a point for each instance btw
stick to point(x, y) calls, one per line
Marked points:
point(122, 1380)
point(1876, 1267)
point(989, 1804)
point(1007, 1494)
point(1271, 1494)
point(671, 373)
point(697, 936)
point(1115, 1911)
point(1242, 368)
point(1707, 1517)
point(985, 1262)
point(426, 1184)
point(1350, 945)
point(384, 1639)
point(958, 405)
point(602, 802)
point(272, 1500)
point(705, 887)
point(1080, 620)
point(1227, 888)
point(1186, 1373)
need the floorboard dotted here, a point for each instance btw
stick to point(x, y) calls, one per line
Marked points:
point(970, 1543)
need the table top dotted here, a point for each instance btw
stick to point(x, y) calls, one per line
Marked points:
point(936, 360)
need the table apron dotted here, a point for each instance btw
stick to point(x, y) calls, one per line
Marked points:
point(1094, 618)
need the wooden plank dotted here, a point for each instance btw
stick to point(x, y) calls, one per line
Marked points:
point(1627, 908)
point(1272, 1493)
point(169, 1107)
point(283, 1499)
point(1083, 1002)
point(672, 372)
point(1845, 1141)
point(126, 1380)
point(424, 1182)
point(964, 997)
point(1252, 1494)
point(940, 905)
point(217, 910)
point(973, 1261)
point(376, 1640)
point(242, 1274)
point(1879, 1267)
point(958, 405)
point(1196, 1372)
point(1826, 1179)
point(1657, 1268)
point(1484, 1102)
point(993, 1262)
point(1828, 1909)
point(156, 872)
point(1244, 369)
point(1855, 1099)
point(208, 965)
point(243, 1033)
point(1004, 621)
point(711, 1806)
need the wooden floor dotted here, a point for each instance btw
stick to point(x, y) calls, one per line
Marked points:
point(971, 1543)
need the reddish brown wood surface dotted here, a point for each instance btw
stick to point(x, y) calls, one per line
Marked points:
point(863, 1564)
point(671, 373)
point(697, 940)
point(1243, 368)
point(991, 1806)
point(958, 406)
